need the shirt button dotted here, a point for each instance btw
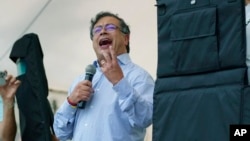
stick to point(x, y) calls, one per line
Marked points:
point(86, 124)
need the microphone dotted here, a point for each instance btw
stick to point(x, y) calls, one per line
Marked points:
point(89, 73)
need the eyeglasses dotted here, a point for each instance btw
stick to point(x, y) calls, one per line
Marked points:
point(107, 27)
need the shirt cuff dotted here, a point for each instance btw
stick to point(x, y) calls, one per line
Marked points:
point(68, 110)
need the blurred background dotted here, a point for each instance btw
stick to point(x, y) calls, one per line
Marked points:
point(63, 30)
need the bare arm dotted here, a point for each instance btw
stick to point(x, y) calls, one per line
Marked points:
point(9, 122)
point(8, 125)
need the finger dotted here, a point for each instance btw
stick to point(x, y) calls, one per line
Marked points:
point(8, 78)
point(106, 57)
point(17, 82)
point(113, 54)
point(85, 86)
point(86, 83)
point(12, 80)
point(103, 62)
point(86, 93)
point(86, 97)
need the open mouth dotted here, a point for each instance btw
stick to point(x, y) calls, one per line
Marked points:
point(105, 43)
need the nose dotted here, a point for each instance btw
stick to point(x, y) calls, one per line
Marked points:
point(103, 31)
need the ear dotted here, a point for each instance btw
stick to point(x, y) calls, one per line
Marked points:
point(126, 39)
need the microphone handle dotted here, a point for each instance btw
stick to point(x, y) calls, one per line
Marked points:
point(82, 104)
point(89, 77)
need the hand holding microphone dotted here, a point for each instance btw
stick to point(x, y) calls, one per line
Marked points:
point(89, 74)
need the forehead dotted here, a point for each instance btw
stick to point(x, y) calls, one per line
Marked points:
point(107, 20)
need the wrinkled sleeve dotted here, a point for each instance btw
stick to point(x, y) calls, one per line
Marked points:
point(136, 99)
point(65, 117)
point(64, 121)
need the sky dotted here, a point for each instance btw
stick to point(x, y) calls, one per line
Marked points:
point(63, 30)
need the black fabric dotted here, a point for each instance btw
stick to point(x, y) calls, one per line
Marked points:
point(198, 38)
point(246, 106)
point(201, 86)
point(36, 116)
point(199, 112)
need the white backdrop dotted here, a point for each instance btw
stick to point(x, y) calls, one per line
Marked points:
point(63, 30)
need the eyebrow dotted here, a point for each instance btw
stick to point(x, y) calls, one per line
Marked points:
point(104, 25)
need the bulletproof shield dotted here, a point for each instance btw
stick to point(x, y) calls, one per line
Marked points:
point(201, 86)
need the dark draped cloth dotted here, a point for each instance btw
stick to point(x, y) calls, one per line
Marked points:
point(36, 116)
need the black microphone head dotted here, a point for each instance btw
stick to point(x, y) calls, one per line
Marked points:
point(90, 69)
